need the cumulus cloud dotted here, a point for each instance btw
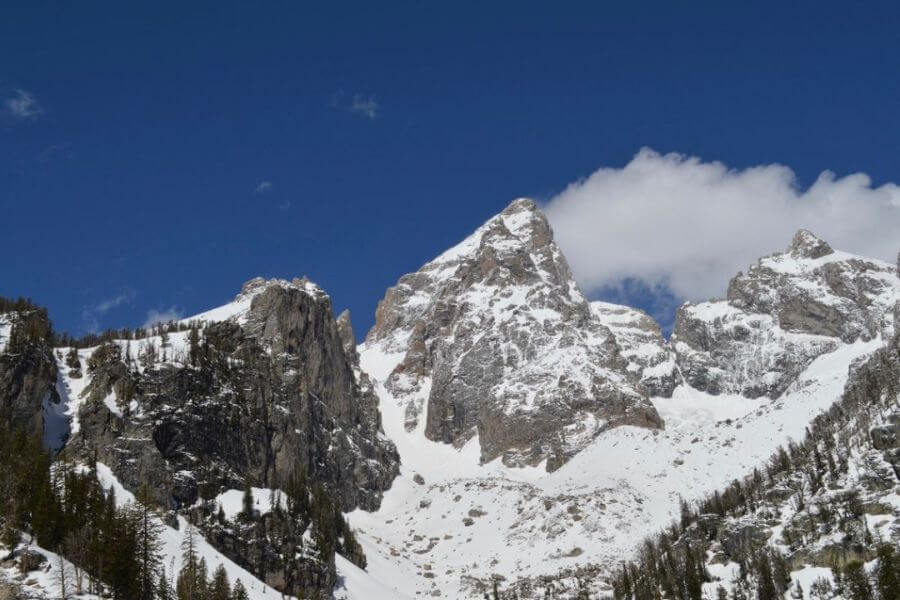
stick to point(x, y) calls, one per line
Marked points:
point(92, 314)
point(689, 225)
point(162, 315)
point(21, 105)
point(263, 187)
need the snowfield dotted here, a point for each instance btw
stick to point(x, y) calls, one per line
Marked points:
point(468, 522)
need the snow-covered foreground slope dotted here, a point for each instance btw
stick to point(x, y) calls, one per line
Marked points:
point(172, 539)
point(45, 581)
point(468, 522)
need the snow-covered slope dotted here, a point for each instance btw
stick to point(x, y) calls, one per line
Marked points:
point(45, 582)
point(172, 543)
point(469, 522)
point(453, 521)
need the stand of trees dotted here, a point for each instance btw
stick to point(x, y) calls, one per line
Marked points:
point(108, 550)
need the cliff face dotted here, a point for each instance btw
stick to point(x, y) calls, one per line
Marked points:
point(28, 373)
point(497, 342)
point(265, 394)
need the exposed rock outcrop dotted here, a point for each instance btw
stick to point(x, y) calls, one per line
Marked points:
point(269, 393)
point(28, 372)
point(641, 342)
point(497, 341)
point(786, 311)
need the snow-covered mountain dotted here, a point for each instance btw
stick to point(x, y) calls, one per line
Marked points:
point(786, 311)
point(495, 428)
point(459, 520)
point(493, 341)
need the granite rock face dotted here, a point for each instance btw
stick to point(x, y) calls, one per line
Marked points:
point(641, 342)
point(494, 339)
point(786, 311)
point(270, 392)
point(28, 375)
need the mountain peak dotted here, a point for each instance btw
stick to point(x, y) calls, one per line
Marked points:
point(494, 340)
point(806, 244)
point(260, 284)
point(521, 205)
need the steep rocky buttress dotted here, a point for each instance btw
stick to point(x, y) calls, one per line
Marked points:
point(270, 392)
point(494, 339)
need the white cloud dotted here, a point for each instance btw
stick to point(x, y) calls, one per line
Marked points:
point(365, 106)
point(358, 104)
point(162, 315)
point(21, 105)
point(263, 187)
point(692, 225)
point(92, 314)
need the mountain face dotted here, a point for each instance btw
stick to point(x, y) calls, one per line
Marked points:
point(789, 309)
point(740, 377)
point(491, 351)
point(268, 393)
point(494, 340)
point(262, 392)
point(820, 508)
point(641, 342)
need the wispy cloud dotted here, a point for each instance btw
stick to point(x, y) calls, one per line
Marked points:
point(162, 315)
point(63, 150)
point(361, 105)
point(285, 205)
point(91, 315)
point(21, 105)
point(263, 187)
point(366, 106)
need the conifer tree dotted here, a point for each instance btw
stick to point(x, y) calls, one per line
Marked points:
point(765, 587)
point(186, 587)
point(163, 589)
point(220, 588)
point(887, 575)
point(247, 503)
point(202, 582)
point(856, 581)
point(239, 592)
point(194, 344)
point(149, 546)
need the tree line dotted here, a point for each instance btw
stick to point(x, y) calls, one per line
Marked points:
point(32, 323)
point(110, 551)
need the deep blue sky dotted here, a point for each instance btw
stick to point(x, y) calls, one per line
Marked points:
point(137, 176)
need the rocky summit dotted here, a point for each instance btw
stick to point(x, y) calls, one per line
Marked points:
point(493, 340)
point(786, 311)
